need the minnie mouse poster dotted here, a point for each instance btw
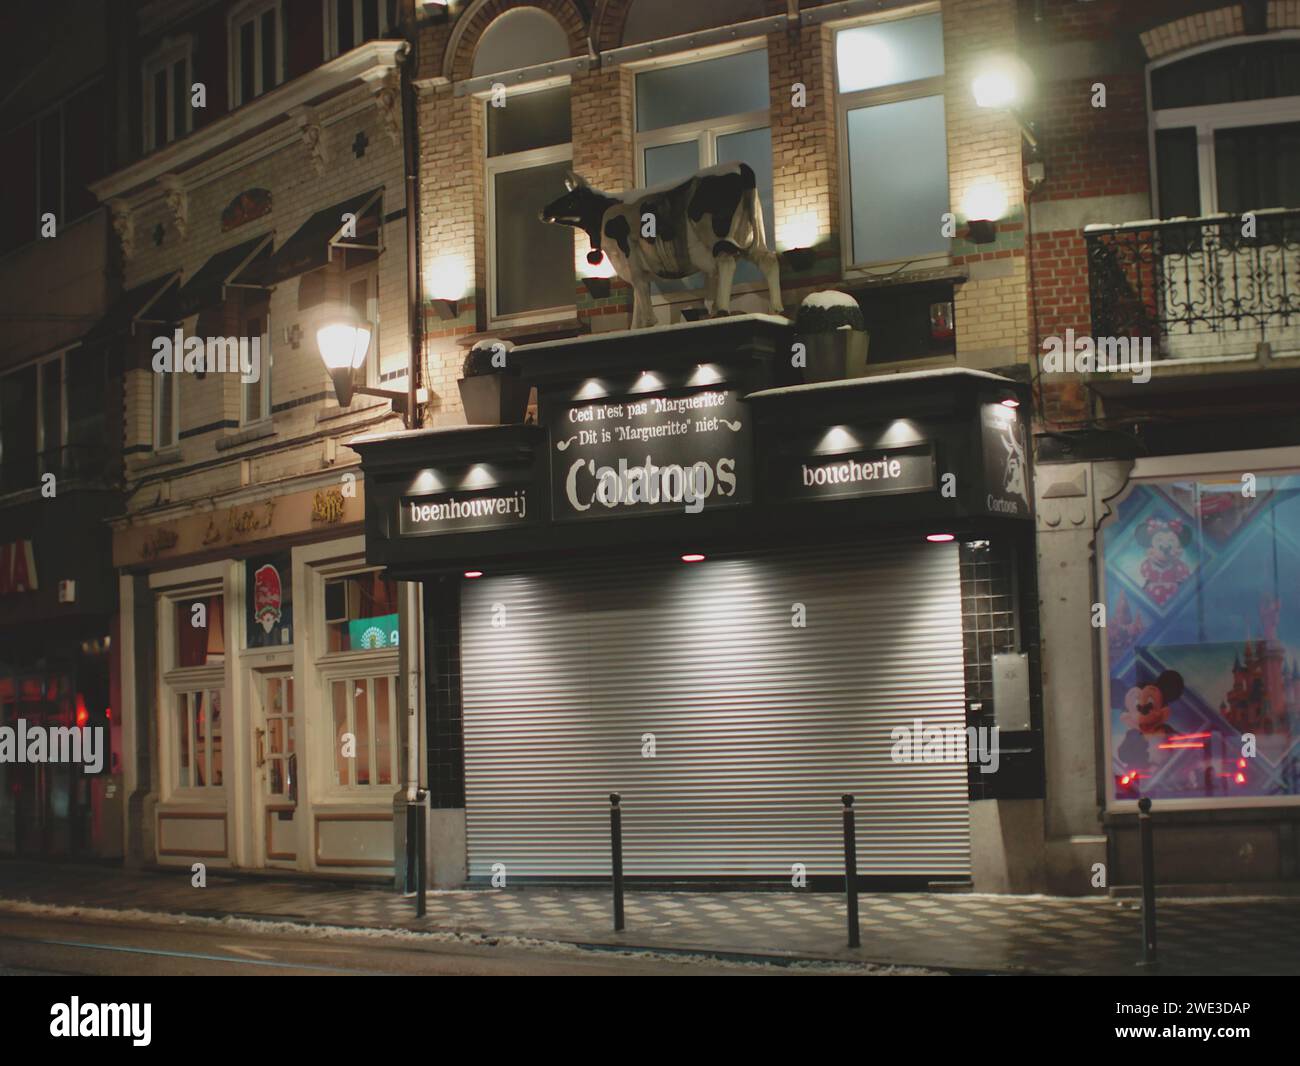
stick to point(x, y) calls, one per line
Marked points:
point(1163, 570)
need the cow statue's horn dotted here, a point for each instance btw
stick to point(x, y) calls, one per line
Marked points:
point(571, 181)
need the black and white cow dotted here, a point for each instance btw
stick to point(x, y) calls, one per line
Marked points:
point(701, 225)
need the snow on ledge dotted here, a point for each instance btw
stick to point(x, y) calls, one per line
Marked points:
point(880, 379)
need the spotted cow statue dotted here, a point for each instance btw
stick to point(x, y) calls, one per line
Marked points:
point(704, 224)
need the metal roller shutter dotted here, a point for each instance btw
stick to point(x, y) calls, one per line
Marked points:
point(759, 726)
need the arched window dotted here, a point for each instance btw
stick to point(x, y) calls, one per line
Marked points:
point(1226, 128)
point(653, 20)
point(530, 263)
point(522, 37)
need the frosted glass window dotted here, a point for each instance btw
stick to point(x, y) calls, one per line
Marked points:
point(696, 92)
point(898, 171)
point(528, 120)
point(889, 53)
point(534, 261)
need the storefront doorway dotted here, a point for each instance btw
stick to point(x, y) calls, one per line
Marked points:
point(275, 777)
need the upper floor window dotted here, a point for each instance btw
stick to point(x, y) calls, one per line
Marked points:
point(1226, 128)
point(255, 396)
point(256, 49)
point(49, 162)
point(695, 115)
point(889, 109)
point(166, 410)
point(353, 22)
point(52, 420)
point(167, 112)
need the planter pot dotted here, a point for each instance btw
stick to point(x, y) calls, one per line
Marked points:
point(833, 356)
point(494, 399)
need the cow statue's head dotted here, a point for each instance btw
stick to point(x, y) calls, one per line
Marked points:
point(582, 207)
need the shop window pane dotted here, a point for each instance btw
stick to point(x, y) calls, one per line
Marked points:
point(200, 738)
point(339, 701)
point(361, 612)
point(361, 719)
point(166, 386)
point(199, 645)
point(84, 455)
point(896, 209)
point(529, 120)
point(288, 686)
point(1202, 646)
point(1257, 167)
point(889, 53)
point(1178, 172)
point(183, 726)
point(18, 411)
point(534, 261)
point(247, 61)
point(214, 736)
point(696, 92)
point(83, 150)
point(383, 732)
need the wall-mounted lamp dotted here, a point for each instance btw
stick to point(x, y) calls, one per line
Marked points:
point(984, 203)
point(596, 270)
point(344, 341)
point(446, 284)
point(1003, 84)
point(797, 241)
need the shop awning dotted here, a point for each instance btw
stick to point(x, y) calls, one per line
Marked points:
point(206, 288)
point(313, 245)
point(152, 303)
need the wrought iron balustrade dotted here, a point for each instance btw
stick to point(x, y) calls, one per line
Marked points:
point(1200, 287)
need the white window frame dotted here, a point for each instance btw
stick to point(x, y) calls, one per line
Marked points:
point(854, 101)
point(252, 11)
point(264, 383)
point(353, 666)
point(173, 50)
point(175, 682)
point(704, 132)
point(160, 382)
point(500, 164)
point(329, 12)
point(1208, 119)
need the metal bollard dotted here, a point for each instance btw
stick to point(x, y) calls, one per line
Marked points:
point(851, 870)
point(616, 856)
point(1147, 840)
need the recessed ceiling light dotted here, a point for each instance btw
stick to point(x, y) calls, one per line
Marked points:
point(693, 557)
point(473, 573)
point(939, 538)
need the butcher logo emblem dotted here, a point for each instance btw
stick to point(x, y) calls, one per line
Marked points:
point(267, 596)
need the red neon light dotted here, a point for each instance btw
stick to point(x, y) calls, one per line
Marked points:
point(83, 715)
point(1166, 747)
point(1241, 779)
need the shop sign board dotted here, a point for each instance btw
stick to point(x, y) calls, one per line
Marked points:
point(673, 452)
point(879, 472)
point(268, 599)
point(465, 512)
point(1006, 467)
point(17, 568)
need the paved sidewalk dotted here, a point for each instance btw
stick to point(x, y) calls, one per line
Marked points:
point(1049, 935)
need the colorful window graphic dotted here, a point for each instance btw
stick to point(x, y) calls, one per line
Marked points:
point(1203, 639)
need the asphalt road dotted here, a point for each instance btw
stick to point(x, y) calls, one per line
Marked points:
point(39, 945)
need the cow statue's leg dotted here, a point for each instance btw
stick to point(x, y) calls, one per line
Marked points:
point(723, 273)
point(643, 311)
point(767, 262)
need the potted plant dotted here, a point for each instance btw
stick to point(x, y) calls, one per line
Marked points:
point(490, 386)
point(834, 336)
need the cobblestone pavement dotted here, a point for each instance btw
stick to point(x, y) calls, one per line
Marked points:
point(945, 931)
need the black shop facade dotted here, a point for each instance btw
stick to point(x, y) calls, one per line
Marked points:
point(729, 597)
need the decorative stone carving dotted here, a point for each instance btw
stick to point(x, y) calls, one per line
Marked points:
point(123, 226)
point(178, 202)
point(388, 102)
point(313, 138)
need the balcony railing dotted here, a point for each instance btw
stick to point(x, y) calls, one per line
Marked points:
point(1201, 288)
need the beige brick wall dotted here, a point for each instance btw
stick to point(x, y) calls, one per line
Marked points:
point(276, 160)
point(1204, 26)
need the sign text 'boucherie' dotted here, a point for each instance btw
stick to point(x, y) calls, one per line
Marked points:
point(875, 473)
point(641, 454)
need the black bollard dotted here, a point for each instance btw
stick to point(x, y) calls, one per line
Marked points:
point(1147, 841)
point(421, 852)
point(616, 856)
point(851, 870)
